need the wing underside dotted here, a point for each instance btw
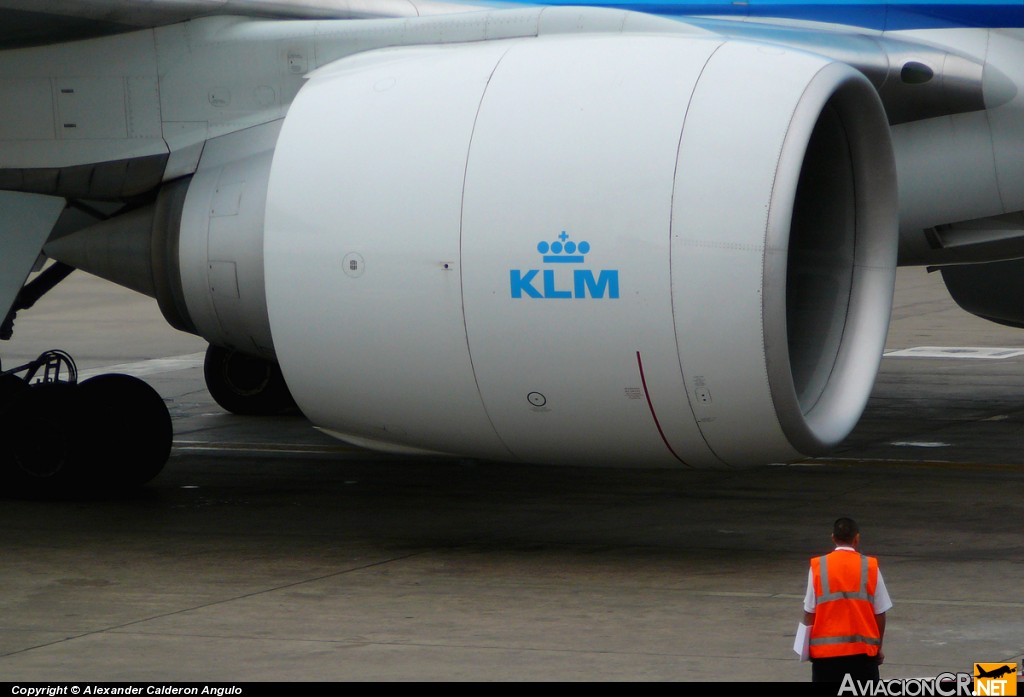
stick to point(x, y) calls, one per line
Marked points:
point(38, 22)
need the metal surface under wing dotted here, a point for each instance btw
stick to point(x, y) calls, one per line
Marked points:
point(39, 22)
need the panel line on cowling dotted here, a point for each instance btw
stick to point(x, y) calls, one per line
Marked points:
point(462, 281)
point(672, 276)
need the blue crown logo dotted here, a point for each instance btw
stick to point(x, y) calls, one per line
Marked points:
point(563, 250)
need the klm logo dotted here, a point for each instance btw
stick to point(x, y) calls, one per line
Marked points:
point(561, 280)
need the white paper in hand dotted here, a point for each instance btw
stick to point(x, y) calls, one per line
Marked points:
point(801, 645)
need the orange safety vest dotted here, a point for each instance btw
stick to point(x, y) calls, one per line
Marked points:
point(844, 610)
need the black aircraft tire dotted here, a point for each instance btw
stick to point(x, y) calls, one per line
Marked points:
point(246, 385)
point(126, 430)
point(12, 389)
point(44, 451)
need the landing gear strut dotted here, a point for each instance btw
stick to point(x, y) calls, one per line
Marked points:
point(61, 436)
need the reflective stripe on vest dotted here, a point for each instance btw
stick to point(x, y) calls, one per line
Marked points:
point(825, 641)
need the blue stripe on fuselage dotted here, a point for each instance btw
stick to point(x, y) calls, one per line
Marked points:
point(871, 15)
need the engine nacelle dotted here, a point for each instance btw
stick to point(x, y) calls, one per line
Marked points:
point(645, 250)
point(198, 248)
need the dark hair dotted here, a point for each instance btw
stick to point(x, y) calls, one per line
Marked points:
point(845, 529)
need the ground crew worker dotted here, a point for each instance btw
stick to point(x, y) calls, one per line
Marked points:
point(845, 608)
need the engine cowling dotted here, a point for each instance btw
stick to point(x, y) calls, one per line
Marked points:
point(584, 249)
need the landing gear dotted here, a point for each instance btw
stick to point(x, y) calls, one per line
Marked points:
point(245, 384)
point(59, 436)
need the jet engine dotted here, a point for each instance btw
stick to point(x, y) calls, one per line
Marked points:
point(592, 249)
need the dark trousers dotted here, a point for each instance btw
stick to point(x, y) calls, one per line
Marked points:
point(860, 667)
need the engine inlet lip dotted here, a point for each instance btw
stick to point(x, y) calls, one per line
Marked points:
point(816, 423)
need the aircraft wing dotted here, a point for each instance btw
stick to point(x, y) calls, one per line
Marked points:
point(557, 234)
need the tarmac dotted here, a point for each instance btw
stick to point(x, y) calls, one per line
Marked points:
point(267, 551)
